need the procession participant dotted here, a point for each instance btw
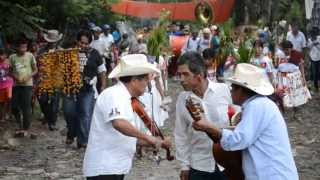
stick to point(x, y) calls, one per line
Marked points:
point(261, 134)
point(297, 38)
point(262, 60)
point(215, 40)
point(78, 108)
point(192, 44)
point(6, 83)
point(49, 105)
point(22, 68)
point(115, 126)
point(193, 148)
point(314, 54)
point(97, 43)
point(205, 40)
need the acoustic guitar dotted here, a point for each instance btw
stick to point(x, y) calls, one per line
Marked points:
point(230, 160)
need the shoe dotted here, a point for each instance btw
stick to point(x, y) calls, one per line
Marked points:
point(69, 141)
point(52, 128)
point(79, 146)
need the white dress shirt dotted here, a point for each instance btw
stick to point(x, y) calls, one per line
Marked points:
point(194, 148)
point(109, 151)
point(263, 137)
point(190, 45)
point(314, 46)
point(299, 41)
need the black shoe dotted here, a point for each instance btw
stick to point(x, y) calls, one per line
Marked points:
point(79, 146)
point(53, 128)
point(69, 141)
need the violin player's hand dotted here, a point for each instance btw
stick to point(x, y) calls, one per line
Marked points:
point(166, 143)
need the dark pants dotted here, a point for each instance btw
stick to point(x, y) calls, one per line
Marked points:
point(77, 113)
point(107, 177)
point(50, 107)
point(315, 65)
point(201, 175)
point(21, 102)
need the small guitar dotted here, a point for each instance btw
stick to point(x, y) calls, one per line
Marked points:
point(230, 160)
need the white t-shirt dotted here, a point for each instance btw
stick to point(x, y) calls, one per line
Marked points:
point(314, 46)
point(108, 40)
point(109, 151)
point(298, 41)
point(99, 45)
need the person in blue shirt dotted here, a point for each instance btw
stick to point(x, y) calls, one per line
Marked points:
point(261, 133)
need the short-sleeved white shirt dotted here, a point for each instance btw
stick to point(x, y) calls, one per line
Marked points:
point(109, 151)
point(299, 41)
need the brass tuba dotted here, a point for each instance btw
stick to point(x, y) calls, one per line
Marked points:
point(203, 12)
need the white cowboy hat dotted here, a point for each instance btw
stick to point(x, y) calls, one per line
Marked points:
point(253, 78)
point(52, 36)
point(133, 64)
point(214, 28)
point(206, 30)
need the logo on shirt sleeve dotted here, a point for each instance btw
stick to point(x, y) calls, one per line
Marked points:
point(114, 112)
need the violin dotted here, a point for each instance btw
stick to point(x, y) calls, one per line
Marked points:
point(230, 160)
point(149, 123)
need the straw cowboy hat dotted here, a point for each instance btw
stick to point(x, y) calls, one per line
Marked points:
point(133, 64)
point(52, 36)
point(253, 78)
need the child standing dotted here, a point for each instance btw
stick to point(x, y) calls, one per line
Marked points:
point(6, 83)
point(22, 69)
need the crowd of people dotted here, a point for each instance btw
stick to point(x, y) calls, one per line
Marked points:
point(102, 117)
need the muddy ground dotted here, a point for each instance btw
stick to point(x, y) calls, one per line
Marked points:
point(46, 156)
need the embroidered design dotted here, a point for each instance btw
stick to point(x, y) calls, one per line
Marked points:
point(114, 112)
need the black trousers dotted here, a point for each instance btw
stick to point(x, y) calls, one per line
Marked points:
point(315, 66)
point(50, 107)
point(201, 175)
point(21, 105)
point(106, 177)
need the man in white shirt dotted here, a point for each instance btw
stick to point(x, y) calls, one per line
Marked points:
point(205, 40)
point(115, 127)
point(97, 43)
point(261, 134)
point(194, 149)
point(192, 44)
point(297, 39)
point(106, 36)
point(314, 53)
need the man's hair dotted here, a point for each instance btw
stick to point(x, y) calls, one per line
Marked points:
point(208, 53)
point(194, 61)
point(84, 33)
point(247, 91)
point(258, 43)
point(127, 79)
point(286, 44)
point(21, 42)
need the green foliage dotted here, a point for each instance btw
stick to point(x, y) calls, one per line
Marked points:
point(28, 16)
point(245, 51)
point(295, 14)
point(226, 42)
point(16, 18)
point(158, 40)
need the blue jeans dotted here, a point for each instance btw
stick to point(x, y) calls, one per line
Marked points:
point(78, 113)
